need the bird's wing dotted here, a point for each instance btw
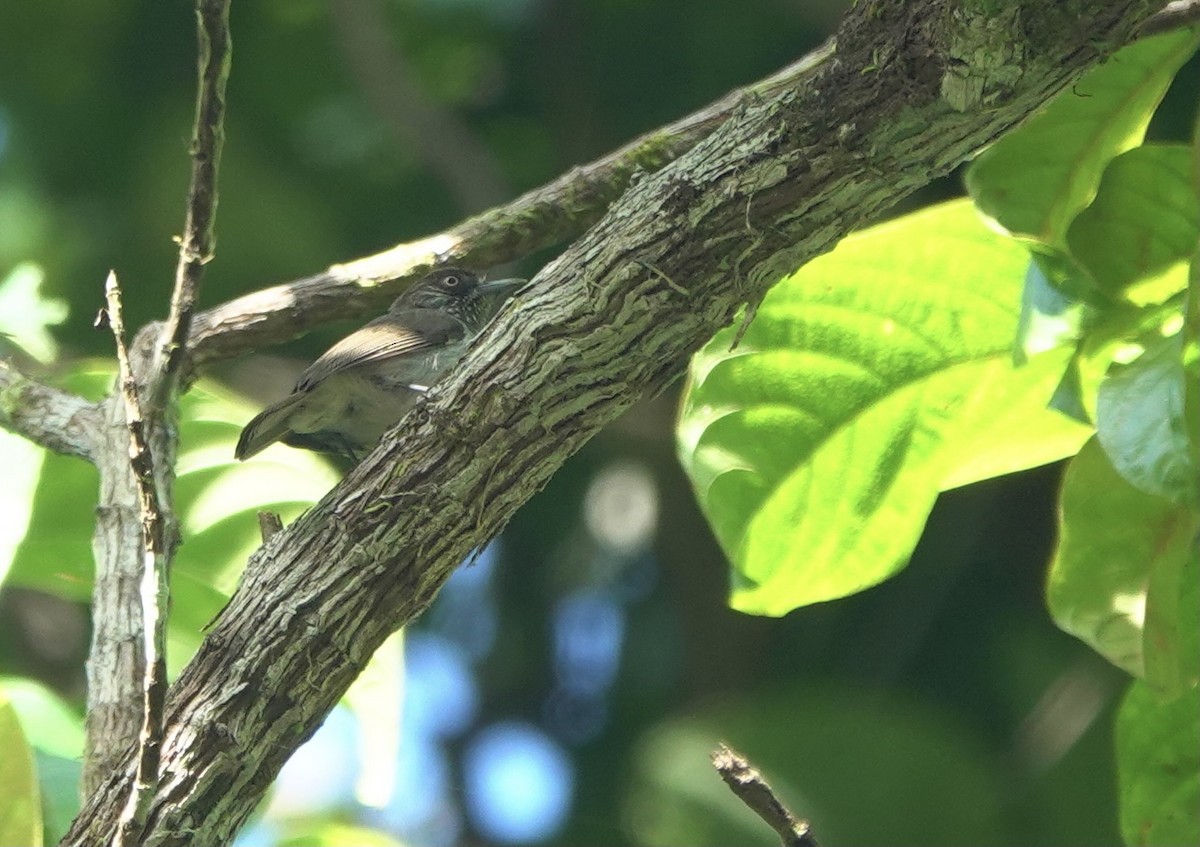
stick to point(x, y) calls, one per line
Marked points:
point(384, 338)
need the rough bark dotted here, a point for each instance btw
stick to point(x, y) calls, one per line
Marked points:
point(913, 90)
point(116, 659)
point(55, 419)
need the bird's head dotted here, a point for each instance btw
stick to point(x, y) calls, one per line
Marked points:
point(455, 291)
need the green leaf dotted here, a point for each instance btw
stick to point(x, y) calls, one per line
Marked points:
point(870, 380)
point(1120, 562)
point(1035, 180)
point(25, 314)
point(55, 732)
point(22, 463)
point(1158, 767)
point(1136, 236)
point(1071, 396)
point(1172, 639)
point(1049, 317)
point(20, 805)
point(219, 499)
point(50, 724)
point(58, 780)
point(1140, 422)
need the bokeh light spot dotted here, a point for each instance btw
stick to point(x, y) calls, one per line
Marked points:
point(519, 783)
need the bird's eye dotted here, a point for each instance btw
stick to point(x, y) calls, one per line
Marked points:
point(451, 282)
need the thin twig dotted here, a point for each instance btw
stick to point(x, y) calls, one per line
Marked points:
point(133, 818)
point(750, 787)
point(198, 242)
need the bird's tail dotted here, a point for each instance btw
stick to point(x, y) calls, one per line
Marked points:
point(265, 428)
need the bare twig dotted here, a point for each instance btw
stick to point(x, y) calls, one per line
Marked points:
point(153, 585)
point(198, 241)
point(55, 419)
point(750, 787)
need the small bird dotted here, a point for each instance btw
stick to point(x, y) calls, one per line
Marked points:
point(362, 385)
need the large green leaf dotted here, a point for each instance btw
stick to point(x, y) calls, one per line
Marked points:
point(25, 317)
point(1136, 236)
point(20, 806)
point(56, 553)
point(58, 780)
point(870, 380)
point(1035, 180)
point(50, 724)
point(1122, 565)
point(55, 732)
point(1158, 767)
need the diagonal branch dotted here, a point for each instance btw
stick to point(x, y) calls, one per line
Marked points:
point(779, 183)
point(541, 218)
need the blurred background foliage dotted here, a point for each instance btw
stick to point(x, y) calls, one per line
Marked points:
point(567, 686)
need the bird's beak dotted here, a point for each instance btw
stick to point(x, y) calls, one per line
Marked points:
point(500, 286)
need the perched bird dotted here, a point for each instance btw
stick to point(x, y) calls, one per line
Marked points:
point(363, 384)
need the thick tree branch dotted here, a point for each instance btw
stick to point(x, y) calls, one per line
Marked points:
point(55, 419)
point(780, 182)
